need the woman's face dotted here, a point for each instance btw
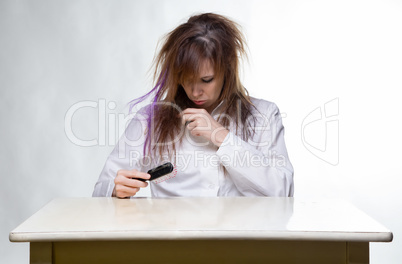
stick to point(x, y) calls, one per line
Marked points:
point(204, 91)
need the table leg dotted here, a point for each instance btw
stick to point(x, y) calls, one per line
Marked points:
point(358, 252)
point(41, 252)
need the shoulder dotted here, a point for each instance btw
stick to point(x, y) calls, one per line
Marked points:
point(264, 106)
point(265, 113)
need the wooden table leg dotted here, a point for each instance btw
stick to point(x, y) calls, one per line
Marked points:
point(41, 252)
point(358, 252)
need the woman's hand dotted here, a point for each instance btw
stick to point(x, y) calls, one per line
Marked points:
point(125, 185)
point(201, 123)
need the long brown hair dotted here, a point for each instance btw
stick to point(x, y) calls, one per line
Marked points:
point(205, 36)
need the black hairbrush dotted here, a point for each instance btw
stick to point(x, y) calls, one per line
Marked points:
point(159, 171)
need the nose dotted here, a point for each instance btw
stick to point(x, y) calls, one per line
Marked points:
point(196, 90)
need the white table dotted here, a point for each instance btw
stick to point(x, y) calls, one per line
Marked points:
point(199, 230)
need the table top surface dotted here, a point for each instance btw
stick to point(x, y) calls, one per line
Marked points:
point(71, 219)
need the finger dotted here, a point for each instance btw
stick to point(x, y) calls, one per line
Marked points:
point(194, 111)
point(124, 191)
point(187, 118)
point(133, 183)
point(122, 179)
point(141, 175)
point(134, 174)
point(190, 126)
point(194, 116)
point(195, 133)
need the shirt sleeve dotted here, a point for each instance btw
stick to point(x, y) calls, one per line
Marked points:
point(259, 166)
point(127, 154)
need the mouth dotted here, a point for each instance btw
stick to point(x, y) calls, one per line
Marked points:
point(201, 102)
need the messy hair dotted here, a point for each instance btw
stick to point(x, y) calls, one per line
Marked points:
point(210, 37)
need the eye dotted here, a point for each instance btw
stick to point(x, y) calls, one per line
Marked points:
point(207, 80)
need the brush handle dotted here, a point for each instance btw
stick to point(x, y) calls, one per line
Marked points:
point(159, 171)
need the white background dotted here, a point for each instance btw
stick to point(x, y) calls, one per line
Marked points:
point(303, 54)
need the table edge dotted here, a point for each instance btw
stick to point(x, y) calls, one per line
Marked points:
point(202, 235)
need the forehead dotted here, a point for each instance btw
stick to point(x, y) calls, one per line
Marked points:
point(206, 68)
point(198, 69)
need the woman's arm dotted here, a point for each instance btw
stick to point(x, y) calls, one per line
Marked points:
point(260, 166)
point(123, 162)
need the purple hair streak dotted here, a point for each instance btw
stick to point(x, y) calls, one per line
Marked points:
point(158, 94)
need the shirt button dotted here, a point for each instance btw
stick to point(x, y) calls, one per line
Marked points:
point(211, 186)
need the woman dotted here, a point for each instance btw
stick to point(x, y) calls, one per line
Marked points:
point(221, 141)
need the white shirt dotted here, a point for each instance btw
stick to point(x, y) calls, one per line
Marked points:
point(257, 167)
